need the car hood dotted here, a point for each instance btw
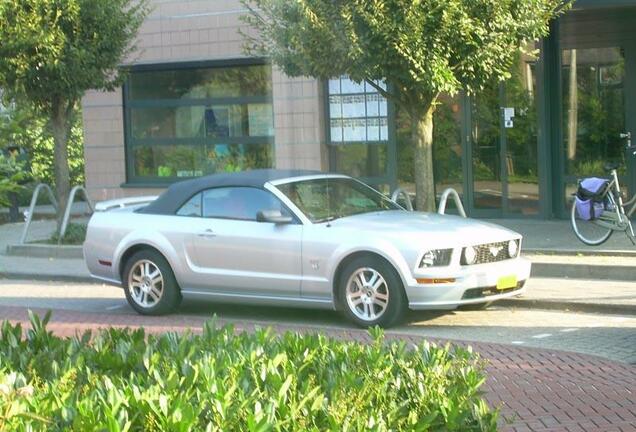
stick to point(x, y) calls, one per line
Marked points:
point(426, 228)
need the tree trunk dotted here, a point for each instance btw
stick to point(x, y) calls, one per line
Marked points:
point(60, 126)
point(422, 136)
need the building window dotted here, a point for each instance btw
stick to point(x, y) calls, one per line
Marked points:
point(191, 121)
point(358, 129)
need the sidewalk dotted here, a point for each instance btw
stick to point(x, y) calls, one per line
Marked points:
point(16, 267)
point(556, 236)
point(543, 236)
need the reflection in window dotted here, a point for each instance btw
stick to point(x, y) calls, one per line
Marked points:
point(447, 147)
point(191, 122)
point(201, 83)
point(183, 160)
point(522, 138)
point(361, 159)
point(218, 121)
point(593, 109)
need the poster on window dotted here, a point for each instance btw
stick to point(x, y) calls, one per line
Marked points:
point(260, 120)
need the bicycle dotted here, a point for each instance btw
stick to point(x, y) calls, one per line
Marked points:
point(614, 216)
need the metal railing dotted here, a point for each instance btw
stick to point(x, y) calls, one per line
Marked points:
point(441, 209)
point(34, 200)
point(396, 194)
point(69, 205)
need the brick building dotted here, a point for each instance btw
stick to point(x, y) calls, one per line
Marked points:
point(195, 104)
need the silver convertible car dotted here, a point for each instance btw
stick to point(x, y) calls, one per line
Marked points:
point(299, 238)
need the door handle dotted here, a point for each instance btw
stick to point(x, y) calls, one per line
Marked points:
point(208, 233)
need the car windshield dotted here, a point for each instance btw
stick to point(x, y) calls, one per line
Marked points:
point(326, 199)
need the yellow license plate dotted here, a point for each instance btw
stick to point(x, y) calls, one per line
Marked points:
point(506, 282)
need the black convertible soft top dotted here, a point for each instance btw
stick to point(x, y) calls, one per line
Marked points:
point(178, 193)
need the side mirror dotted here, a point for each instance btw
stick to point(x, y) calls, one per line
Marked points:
point(273, 216)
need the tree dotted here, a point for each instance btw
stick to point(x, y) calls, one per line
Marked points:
point(53, 51)
point(423, 48)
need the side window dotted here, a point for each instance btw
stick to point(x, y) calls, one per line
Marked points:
point(239, 203)
point(192, 207)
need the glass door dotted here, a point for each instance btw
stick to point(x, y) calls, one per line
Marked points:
point(503, 144)
point(593, 89)
point(597, 80)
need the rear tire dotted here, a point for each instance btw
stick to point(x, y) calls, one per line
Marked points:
point(588, 231)
point(149, 284)
point(370, 292)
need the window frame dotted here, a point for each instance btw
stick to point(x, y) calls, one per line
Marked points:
point(131, 143)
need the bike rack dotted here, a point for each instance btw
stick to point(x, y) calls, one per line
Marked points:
point(444, 198)
point(34, 200)
point(69, 204)
point(399, 191)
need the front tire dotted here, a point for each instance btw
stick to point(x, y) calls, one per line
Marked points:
point(588, 231)
point(149, 284)
point(370, 292)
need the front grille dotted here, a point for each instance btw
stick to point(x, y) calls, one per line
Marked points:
point(491, 252)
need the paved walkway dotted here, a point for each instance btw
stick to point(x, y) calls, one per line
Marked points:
point(557, 235)
point(537, 390)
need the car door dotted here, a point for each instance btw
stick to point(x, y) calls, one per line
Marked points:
point(231, 252)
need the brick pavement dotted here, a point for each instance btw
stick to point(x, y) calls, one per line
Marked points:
point(537, 390)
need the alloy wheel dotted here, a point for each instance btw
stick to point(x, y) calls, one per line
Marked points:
point(145, 283)
point(367, 294)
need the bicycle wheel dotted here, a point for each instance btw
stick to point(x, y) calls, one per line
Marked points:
point(588, 231)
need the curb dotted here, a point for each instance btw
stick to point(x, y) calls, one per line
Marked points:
point(32, 250)
point(612, 309)
point(47, 277)
point(579, 252)
point(584, 271)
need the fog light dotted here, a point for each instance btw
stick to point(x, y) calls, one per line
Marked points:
point(470, 255)
point(512, 248)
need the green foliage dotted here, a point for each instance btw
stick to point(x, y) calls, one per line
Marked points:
point(12, 174)
point(23, 126)
point(75, 235)
point(55, 50)
point(423, 48)
point(221, 380)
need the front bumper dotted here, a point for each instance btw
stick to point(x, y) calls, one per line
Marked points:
point(473, 284)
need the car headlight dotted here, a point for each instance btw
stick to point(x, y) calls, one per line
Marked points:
point(513, 248)
point(436, 258)
point(469, 255)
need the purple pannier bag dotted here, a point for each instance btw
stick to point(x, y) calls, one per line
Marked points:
point(590, 198)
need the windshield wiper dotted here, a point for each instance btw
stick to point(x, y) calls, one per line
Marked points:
point(326, 219)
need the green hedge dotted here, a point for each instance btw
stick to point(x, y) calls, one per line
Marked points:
point(223, 380)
